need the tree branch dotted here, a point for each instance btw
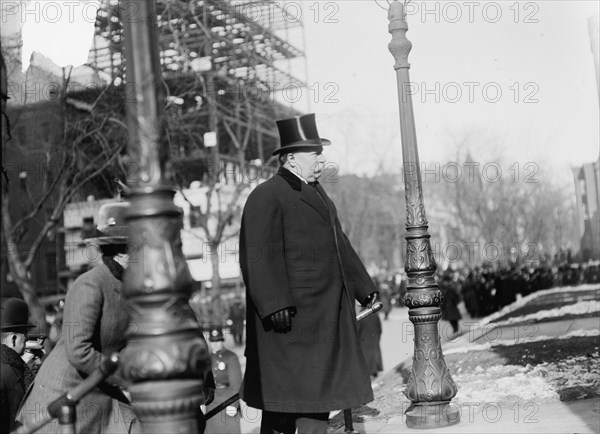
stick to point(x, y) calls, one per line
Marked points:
point(62, 203)
point(41, 202)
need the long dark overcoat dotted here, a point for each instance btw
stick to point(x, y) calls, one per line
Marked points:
point(94, 326)
point(15, 377)
point(370, 330)
point(293, 253)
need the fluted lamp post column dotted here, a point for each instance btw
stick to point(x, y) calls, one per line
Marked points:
point(430, 386)
point(166, 358)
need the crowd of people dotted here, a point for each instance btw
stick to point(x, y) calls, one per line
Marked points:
point(486, 288)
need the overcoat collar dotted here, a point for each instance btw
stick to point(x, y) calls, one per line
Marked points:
point(114, 267)
point(293, 180)
point(308, 194)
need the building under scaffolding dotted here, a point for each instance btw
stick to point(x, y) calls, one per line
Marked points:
point(225, 66)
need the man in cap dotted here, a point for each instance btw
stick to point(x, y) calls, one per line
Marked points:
point(228, 377)
point(94, 327)
point(15, 375)
point(302, 278)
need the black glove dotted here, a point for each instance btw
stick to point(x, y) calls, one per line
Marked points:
point(281, 321)
point(370, 300)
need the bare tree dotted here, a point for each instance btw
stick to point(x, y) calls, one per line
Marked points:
point(88, 147)
point(511, 205)
point(224, 191)
point(372, 212)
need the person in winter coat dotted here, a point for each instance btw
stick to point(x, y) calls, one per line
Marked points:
point(449, 306)
point(237, 314)
point(469, 293)
point(228, 377)
point(385, 296)
point(94, 326)
point(302, 278)
point(15, 375)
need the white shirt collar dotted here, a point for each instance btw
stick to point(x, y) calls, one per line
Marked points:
point(301, 178)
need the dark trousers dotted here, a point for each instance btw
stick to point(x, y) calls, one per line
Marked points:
point(286, 423)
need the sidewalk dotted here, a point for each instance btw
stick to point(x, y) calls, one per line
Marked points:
point(523, 402)
point(557, 417)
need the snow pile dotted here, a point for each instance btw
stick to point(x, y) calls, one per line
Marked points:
point(504, 384)
point(527, 299)
point(574, 371)
point(580, 308)
point(510, 341)
point(573, 377)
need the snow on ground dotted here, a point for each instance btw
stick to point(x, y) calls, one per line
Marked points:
point(507, 384)
point(504, 384)
point(579, 308)
point(511, 341)
point(524, 300)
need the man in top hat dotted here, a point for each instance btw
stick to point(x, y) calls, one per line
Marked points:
point(228, 377)
point(302, 278)
point(15, 375)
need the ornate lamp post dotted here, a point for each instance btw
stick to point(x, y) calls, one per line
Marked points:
point(166, 357)
point(430, 386)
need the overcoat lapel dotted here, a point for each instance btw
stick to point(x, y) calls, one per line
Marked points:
point(310, 196)
point(330, 206)
point(307, 193)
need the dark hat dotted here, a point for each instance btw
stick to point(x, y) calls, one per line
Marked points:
point(14, 315)
point(299, 132)
point(216, 334)
point(112, 226)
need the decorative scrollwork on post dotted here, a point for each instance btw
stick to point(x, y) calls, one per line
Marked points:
point(430, 386)
point(166, 358)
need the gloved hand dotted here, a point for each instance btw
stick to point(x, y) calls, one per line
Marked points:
point(281, 321)
point(370, 300)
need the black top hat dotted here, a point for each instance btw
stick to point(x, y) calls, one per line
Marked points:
point(112, 226)
point(299, 132)
point(216, 334)
point(14, 315)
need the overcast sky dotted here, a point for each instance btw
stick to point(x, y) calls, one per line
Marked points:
point(516, 75)
point(507, 78)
